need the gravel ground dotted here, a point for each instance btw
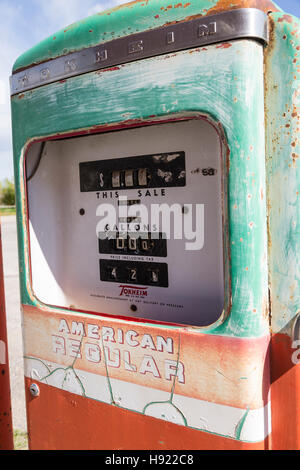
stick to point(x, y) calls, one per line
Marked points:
point(12, 297)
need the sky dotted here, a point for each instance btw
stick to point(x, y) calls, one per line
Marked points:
point(23, 23)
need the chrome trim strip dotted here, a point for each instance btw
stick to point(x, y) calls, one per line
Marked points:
point(227, 26)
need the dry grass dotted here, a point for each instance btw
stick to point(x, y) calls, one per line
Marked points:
point(20, 440)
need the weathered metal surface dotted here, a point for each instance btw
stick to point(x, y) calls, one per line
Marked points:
point(129, 19)
point(226, 26)
point(232, 377)
point(283, 151)
point(139, 368)
point(172, 85)
point(97, 425)
point(283, 177)
point(6, 430)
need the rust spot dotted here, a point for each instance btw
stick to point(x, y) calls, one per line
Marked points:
point(21, 96)
point(264, 5)
point(186, 5)
point(54, 38)
point(111, 69)
point(179, 5)
point(156, 16)
point(287, 18)
point(126, 5)
point(224, 46)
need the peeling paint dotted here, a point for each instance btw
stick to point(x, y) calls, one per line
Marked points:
point(140, 16)
point(283, 150)
point(217, 84)
point(156, 94)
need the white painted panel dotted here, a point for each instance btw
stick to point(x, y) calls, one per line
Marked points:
point(64, 245)
point(236, 423)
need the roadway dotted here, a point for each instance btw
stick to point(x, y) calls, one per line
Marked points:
point(12, 297)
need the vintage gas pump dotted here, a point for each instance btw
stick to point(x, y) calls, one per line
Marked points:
point(137, 335)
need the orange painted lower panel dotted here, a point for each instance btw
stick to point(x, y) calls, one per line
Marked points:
point(285, 391)
point(59, 420)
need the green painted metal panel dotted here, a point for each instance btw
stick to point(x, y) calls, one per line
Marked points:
point(283, 170)
point(223, 82)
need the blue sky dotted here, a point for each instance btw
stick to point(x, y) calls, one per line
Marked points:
point(23, 23)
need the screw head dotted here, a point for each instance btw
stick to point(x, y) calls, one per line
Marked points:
point(34, 390)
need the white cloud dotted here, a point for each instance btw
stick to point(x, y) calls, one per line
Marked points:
point(60, 14)
point(104, 5)
point(6, 165)
point(3, 94)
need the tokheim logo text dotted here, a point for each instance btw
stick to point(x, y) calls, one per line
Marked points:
point(134, 291)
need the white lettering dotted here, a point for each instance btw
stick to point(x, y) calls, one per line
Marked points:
point(147, 342)
point(129, 340)
point(78, 329)
point(149, 365)
point(93, 331)
point(164, 344)
point(58, 345)
point(173, 369)
point(128, 365)
point(74, 348)
point(93, 352)
point(108, 334)
point(296, 354)
point(108, 356)
point(63, 327)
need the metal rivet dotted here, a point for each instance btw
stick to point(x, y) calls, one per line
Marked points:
point(34, 390)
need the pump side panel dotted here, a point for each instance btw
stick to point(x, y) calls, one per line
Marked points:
point(283, 173)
